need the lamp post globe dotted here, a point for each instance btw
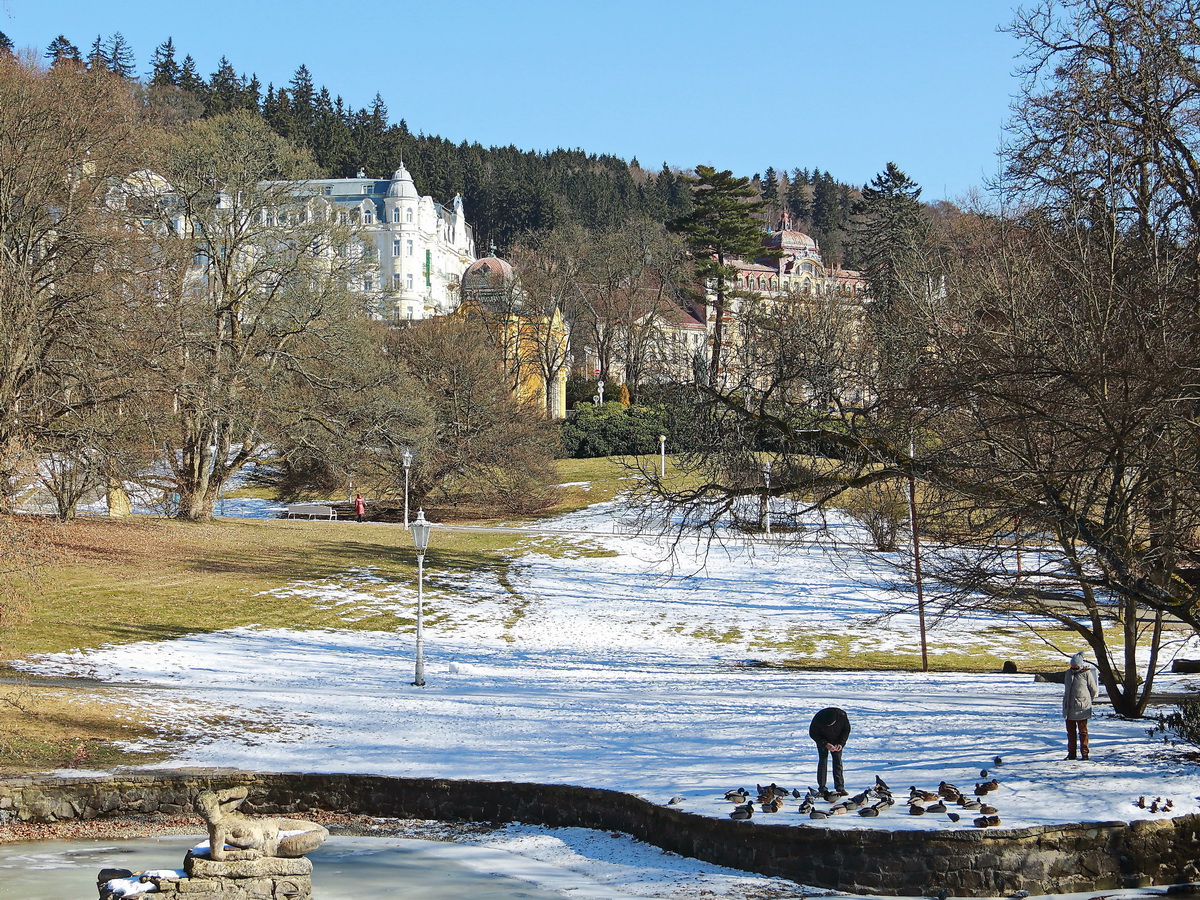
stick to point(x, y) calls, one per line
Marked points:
point(662, 456)
point(407, 459)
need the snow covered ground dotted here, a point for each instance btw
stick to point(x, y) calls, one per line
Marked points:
point(630, 671)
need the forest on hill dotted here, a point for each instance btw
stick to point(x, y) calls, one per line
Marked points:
point(508, 192)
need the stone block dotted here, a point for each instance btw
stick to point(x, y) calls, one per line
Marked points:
point(268, 866)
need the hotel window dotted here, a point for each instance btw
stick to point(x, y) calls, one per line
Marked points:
point(368, 282)
point(396, 214)
point(409, 248)
point(395, 281)
point(409, 216)
point(410, 313)
point(396, 248)
point(368, 217)
point(409, 281)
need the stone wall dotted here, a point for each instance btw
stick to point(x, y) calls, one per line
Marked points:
point(1041, 860)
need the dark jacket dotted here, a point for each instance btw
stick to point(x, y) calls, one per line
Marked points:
point(830, 726)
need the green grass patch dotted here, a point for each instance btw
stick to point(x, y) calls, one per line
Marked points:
point(122, 580)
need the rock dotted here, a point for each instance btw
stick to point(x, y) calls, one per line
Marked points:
point(203, 867)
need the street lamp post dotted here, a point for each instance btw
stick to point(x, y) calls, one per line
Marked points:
point(598, 397)
point(662, 456)
point(767, 496)
point(420, 535)
point(407, 459)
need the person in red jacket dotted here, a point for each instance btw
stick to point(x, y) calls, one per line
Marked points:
point(360, 507)
point(829, 729)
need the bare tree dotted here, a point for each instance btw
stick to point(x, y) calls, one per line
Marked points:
point(629, 290)
point(549, 268)
point(1035, 372)
point(256, 292)
point(67, 137)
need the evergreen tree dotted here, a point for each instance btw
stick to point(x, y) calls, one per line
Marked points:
point(61, 52)
point(302, 106)
point(251, 91)
point(189, 78)
point(6, 44)
point(889, 228)
point(98, 56)
point(164, 70)
point(120, 56)
point(799, 198)
point(770, 186)
point(724, 225)
point(224, 90)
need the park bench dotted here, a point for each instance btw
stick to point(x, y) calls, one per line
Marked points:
point(310, 510)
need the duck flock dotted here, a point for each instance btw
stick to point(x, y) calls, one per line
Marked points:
point(946, 799)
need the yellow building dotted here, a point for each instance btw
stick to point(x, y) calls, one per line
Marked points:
point(533, 337)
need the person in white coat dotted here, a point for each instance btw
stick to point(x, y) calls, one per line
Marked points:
point(1079, 690)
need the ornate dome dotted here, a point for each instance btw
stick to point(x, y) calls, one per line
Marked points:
point(489, 273)
point(402, 186)
point(795, 241)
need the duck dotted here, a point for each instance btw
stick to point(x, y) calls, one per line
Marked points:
point(868, 811)
point(838, 809)
point(968, 803)
point(987, 809)
point(885, 803)
point(986, 787)
point(818, 814)
point(737, 796)
point(916, 809)
point(743, 812)
point(998, 761)
point(946, 789)
point(915, 793)
point(881, 785)
point(775, 804)
point(806, 806)
point(953, 817)
point(938, 807)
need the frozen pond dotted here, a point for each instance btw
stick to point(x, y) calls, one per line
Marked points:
point(344, 868)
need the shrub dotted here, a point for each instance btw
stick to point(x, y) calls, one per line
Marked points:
point(1184, 722)
point(612, 430)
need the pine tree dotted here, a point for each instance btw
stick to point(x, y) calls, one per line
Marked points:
point(251, 91)
point(302, 108)
point(164, 70)
point(189, 78)
point(224, 90)
point(799, 198)
point(120, 56)
point(770, 186)
point(6, 44)
point(98, 57)
point(723, 226)
point(889, 228)
point(62, 52)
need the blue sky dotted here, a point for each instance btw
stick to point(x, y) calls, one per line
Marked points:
point(843, 85)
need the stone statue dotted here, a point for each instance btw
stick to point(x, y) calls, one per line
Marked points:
point(252, 836)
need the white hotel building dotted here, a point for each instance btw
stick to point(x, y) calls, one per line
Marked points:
point(422, 247)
